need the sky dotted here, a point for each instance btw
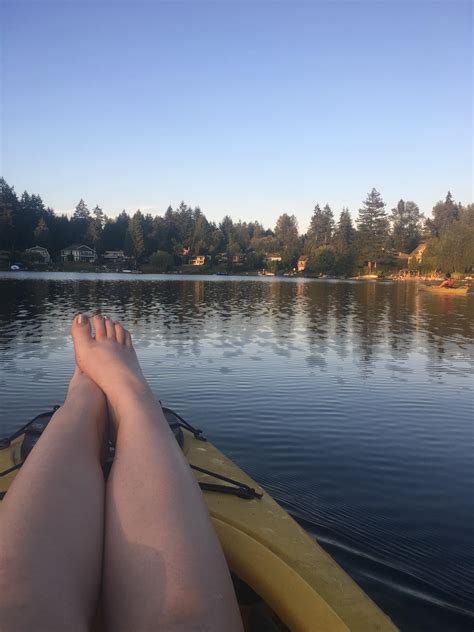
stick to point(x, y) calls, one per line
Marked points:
point(250, 108)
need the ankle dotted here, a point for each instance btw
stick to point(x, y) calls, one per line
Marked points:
point(135, 394)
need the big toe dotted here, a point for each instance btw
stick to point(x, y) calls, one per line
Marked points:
point(81, 331)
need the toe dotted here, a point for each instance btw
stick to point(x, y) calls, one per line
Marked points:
point(128, 339)
point(81, 330)
point(120, 333)
point(110, 328)
point(99, 326)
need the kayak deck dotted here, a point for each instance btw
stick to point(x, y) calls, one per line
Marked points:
point(267, 549)
point(269, 552)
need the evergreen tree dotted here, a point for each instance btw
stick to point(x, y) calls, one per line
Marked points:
point(201, 234)
point(81, 211)
point(286, 237)
point(373, 228)
point(113, 235)
point(135, 230)
point(9, 207)
point(81, 220)
point(444, 214)
point(344, 232)
point(227, 229)
point(41, 234)
point(96, 227)
point(321, 227)
point(406, 226)
point(128, 243)
point(343, 240)
point(31, 210)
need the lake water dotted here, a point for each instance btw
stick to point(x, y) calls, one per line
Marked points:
point(352, 403)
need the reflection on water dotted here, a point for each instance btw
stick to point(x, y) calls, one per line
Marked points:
point(351, 402)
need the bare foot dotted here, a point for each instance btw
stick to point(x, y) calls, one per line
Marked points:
point(109, 359)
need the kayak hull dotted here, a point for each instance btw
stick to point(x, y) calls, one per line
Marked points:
point(448, 291)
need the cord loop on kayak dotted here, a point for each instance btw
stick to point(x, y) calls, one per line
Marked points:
point(185, 424)
point(236, 488)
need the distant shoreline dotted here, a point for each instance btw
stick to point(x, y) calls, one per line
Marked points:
point(369, 279)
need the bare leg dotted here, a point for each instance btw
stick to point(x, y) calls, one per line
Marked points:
point(163, 567)
point(51, 521)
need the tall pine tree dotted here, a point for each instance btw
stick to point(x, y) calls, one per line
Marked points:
point(321, 227)
point(373, 229)
point(96, 227)
point(81, 220)
point(344, 232)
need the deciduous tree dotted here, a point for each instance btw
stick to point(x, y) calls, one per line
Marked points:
point(406, 226)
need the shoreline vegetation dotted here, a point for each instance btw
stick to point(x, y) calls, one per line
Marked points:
point(187, 271)
point(400, 245)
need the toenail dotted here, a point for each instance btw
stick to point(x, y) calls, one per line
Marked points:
point(82, 319)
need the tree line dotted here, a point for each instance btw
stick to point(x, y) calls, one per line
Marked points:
point(332, 246)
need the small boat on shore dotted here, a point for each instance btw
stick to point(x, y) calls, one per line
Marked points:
point(448, 291)
point(282, 578)
point(365, 277)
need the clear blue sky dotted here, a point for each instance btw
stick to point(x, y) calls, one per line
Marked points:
point(246, 108)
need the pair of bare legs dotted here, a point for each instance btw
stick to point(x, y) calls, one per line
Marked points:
point(143, 541)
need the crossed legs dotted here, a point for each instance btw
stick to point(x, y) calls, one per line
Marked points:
point(156, 554)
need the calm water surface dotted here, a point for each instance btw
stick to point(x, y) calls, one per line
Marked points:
point(351, 403)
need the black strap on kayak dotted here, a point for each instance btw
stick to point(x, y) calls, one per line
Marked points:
point(184, 424)
point(237, 488)
point(242, 490)
point(11, 469)
point(6, 441)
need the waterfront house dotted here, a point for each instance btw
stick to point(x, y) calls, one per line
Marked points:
point(40, 252)
point(200, 260)
point(78, 252)
point(271, 258)
point(417, 255)
point(302, 263)
point(114, 255)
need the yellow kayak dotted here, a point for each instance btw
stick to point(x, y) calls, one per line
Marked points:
point(282, 577)
point(454, 291)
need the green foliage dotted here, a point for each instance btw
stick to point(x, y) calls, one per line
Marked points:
point(96, 227)
point(321, 227)
point(286, 237)
point(162, 261)
point(373, 228)
point(41, 234)
point(344, 232)
point(454, 250)
point(135, 243)
point(32, 257)
point(322, 261)
point(444, 214)
point(406, 226)
point(81, 220)
point(184, 232)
